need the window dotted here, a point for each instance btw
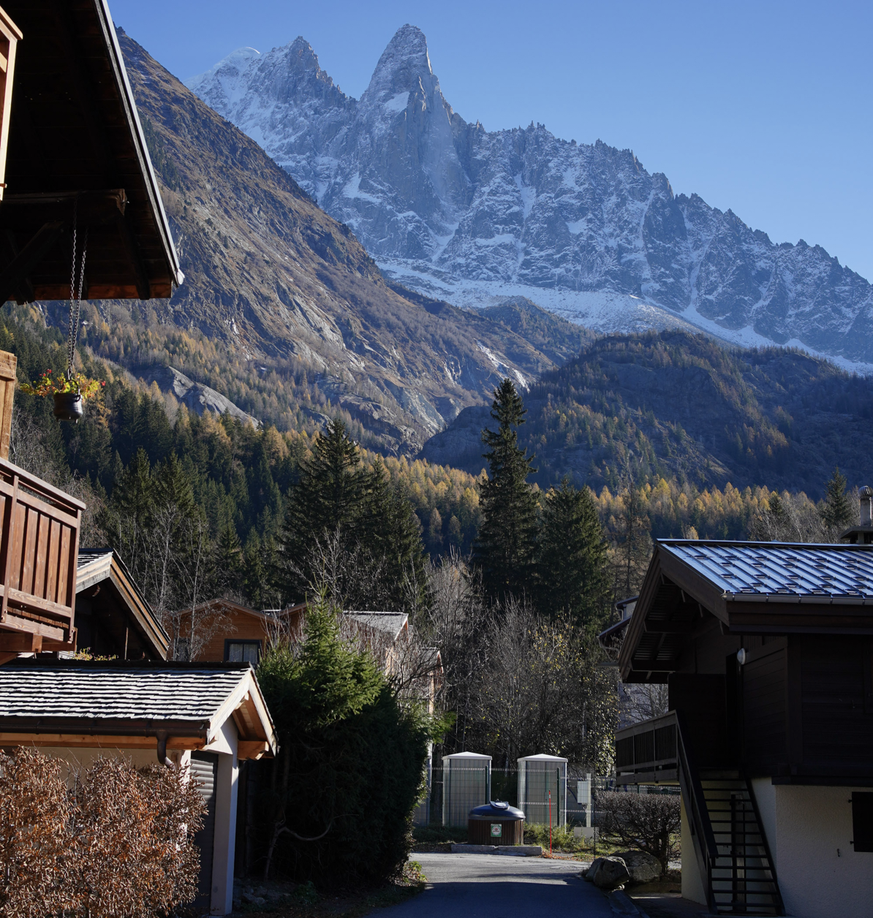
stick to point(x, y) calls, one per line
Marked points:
point(862, 820)
point(242, 652)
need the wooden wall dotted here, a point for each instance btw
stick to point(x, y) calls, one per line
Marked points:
point(836, 698)
point(765, 706)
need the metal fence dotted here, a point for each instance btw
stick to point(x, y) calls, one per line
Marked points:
point(466, 787)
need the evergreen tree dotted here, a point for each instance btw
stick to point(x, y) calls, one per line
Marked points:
point(349, 769)
point(347, 530)
point(836, 511)
point(327, 502)
point(394, 544)
point(571, 558)
point(506, 542)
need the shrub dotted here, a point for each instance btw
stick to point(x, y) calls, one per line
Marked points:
point(646, 822)
point(112, 841)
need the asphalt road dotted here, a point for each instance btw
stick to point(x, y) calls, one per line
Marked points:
point(497, 886)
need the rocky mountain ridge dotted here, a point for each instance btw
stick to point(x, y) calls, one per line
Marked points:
point(584, 230)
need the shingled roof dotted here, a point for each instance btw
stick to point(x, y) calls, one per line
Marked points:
point(130, 704)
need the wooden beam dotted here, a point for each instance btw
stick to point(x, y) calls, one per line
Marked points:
point(90, 208)
point(96, 740)
point(252, 749)
point(20, 642)
point(10, 35)
point(8, 364)
point(15, 274)
point(668, 627)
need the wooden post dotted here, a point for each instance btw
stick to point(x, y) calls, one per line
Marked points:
point(8, 362)
point(10, 35)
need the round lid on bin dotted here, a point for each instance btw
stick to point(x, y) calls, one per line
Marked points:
point(496, 809)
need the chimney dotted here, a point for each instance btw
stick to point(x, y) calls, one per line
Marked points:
point(862, 534)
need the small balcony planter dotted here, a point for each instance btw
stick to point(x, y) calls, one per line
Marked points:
point(68, 406)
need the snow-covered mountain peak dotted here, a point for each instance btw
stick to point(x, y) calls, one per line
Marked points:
point(228, 68)
point(403, 67)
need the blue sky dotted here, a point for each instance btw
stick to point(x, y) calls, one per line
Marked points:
point(761, 107)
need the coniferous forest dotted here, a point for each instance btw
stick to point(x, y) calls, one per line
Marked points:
point(509, 568)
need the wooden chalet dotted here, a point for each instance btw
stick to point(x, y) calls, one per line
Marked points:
point(209, 717)
point(113, 618)
point(73, 161)
point(767, 653)
point(224, 630)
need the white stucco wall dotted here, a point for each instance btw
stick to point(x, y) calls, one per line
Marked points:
point(820, 875)
point(82, 756)
point(692, 882)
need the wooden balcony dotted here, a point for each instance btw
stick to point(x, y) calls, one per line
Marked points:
point(648, 753)
point(39, 545)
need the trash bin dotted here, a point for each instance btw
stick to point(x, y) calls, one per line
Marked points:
point(495, 823)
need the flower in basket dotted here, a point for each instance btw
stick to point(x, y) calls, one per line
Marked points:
point(77, 384)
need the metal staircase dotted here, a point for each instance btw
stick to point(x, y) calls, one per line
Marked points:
point(741, 875)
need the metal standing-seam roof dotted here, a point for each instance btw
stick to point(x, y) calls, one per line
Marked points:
point(842, 573)
point(750, 588)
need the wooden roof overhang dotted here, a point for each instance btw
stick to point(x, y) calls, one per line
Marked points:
point(105, 572)
point(71, 723)
point(77, 157)
point(676, 595)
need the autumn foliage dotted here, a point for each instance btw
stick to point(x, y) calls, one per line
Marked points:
point(105, 842)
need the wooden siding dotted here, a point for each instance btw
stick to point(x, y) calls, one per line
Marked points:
point(837, 724)
point(39, 543)
point(701, 699)
point(764, 709)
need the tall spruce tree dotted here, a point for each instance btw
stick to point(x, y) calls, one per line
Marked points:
point(348, 531)
point(327, 503)
point(836, 511)
point(571, 558)
point(506, 542)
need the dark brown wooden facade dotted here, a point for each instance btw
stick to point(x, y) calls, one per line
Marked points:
point(73, 161)
point(767, 652)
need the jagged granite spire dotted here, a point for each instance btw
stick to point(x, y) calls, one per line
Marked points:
point(404, 66)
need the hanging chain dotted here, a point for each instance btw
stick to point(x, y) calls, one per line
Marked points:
point(76, 285)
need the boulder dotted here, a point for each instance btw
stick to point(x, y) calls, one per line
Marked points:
point(608, 873)
point(642, 866)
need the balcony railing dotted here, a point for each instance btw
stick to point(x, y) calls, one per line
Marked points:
point(39, 546)
point(647, 752)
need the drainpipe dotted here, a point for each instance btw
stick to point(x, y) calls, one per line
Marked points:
point(162, 749)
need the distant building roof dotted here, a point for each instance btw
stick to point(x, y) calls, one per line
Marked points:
point(104, 567)
point(390, 622)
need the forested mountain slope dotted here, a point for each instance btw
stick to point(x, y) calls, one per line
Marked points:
point(679, 406)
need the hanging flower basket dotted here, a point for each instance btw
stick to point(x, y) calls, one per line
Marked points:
point(69, 392)
point(69, 406)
